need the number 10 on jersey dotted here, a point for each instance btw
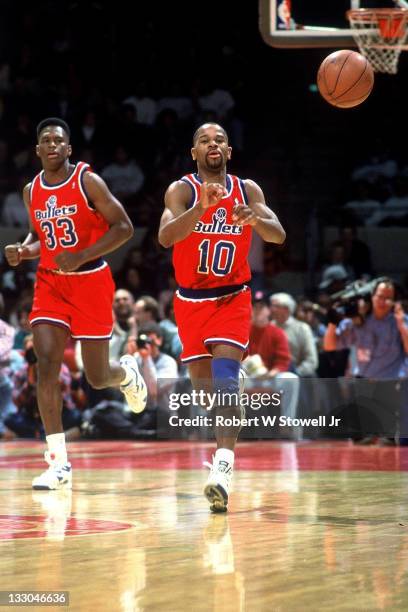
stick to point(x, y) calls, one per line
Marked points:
point(217, 258)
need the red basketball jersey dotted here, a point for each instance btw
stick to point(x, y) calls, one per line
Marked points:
point(215, 254)
point(63, 217)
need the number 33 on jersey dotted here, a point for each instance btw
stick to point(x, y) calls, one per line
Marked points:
point(216, 252)
point(63, 217)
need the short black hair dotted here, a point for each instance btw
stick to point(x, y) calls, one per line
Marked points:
point(53, 121)
point(195, 136)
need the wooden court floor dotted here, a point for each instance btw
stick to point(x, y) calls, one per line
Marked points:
point(312, 526)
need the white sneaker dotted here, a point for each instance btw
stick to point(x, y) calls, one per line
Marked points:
point(135, 390)
point(217, 486)
point(58, 476)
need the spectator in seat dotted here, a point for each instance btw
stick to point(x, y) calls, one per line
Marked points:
point(301, 343)
point(270, 343)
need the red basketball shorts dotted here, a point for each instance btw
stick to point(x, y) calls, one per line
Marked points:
point(81, 303)
point(202, 323)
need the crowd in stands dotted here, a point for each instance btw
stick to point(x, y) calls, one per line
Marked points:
point(285, 345)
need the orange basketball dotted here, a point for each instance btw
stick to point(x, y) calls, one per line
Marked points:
point(345, 78)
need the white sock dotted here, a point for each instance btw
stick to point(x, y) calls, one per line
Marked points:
point(56, 447)
point(224, 454)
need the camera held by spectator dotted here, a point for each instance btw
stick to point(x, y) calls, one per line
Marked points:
point(353, 302)
point(143, 341)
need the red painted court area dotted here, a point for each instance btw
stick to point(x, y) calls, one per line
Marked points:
point(262, 456)
point(17, 527)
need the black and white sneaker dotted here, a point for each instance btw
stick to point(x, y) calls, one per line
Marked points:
point(218, 484)
point(135, 391)
point(57, 476)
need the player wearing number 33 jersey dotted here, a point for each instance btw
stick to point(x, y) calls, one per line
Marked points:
point(74, 220)
point(62, 215)
point(65, 220)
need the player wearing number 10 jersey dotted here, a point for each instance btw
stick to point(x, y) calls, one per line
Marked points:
point(208, 219)
point(74, 221)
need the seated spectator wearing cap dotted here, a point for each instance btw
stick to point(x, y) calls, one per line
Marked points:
point(334, 279)
point(301, 343)
point(270, 346)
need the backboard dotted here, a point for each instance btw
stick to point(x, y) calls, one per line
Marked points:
point(310, 23)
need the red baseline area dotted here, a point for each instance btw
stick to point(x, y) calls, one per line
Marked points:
point(254, 455)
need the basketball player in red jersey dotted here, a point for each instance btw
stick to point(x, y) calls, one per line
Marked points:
point(208, 219)
point(74, 221)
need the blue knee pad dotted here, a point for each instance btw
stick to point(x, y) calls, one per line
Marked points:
point(225, 374)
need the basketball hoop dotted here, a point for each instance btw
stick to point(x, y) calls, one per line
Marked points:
point(380, 35)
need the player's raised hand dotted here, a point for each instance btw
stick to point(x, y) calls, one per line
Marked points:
point(69, 262)
point(243, 215)
point(211, 194)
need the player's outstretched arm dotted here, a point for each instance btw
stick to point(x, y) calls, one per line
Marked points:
point(120, 226)
point(263, 219)
point(30, 247)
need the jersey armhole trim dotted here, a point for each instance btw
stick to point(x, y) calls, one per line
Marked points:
point(30, 191)
point(242, 189)
point(194, 194)
point(85, 168)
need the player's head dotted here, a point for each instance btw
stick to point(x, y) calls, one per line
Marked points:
point(210, 147)
point(51, 122)
point(53, 138)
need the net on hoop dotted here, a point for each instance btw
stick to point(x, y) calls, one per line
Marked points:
point(380, 35)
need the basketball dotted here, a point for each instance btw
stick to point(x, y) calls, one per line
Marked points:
point(345, 78)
